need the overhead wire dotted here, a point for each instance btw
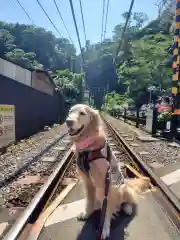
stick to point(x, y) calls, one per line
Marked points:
point(77, 32)
point(24, 10)
point(105, 26)
point(124, 29)
point(63, 21)
point(102, 27)
point(49, 18)
point(83, 23)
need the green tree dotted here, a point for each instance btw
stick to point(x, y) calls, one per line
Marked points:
point(144, 58)
point(6, 41)
point(51, 52)
point(24, 59)
point(114, 100)
point(72, 84)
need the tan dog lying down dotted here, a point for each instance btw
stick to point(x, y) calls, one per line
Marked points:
point(86, 130)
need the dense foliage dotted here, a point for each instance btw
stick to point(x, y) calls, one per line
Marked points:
point(34, 46)
point(70, 84)
point(115, 100)
point(143, 61)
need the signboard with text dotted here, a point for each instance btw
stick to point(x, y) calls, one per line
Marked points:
point(7, 124)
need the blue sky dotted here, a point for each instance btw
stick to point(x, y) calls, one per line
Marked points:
point(11, 12)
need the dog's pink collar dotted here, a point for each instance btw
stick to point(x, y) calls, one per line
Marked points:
point(85, 143)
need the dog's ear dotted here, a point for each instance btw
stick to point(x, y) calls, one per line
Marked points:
point(95, 117)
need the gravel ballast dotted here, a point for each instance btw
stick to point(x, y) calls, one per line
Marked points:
point(151, 152)
point(22, 153)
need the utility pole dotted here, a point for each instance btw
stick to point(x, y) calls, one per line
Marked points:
point(176, 75)
point(83, 70)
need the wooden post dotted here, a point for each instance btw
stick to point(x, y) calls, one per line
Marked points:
point(137, 117)
point(154, 121)
point(125, 113)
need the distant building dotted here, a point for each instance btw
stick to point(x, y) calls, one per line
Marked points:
point(42, 81)
point(35, 78)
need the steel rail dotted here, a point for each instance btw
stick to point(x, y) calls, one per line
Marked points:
point(165, 196)
point(31, 213)
point(32, 159)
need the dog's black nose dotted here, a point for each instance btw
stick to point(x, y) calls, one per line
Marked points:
point(69, 122)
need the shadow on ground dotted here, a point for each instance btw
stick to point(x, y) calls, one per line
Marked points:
point(118, 225)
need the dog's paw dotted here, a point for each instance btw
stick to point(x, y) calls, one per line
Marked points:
point(106, 229)
point(83, 216)
point(128, 208)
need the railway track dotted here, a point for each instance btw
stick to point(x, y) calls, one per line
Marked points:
point(19, 187)
point(65, 170)
point(28, 161)
point(164, 196)
point(63, 180)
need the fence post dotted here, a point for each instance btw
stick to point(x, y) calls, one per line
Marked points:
point(125, 114)
point(154, 121)
point(173, 127)
point(137, 117)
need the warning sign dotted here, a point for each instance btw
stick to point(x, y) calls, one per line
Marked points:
point(7, 125)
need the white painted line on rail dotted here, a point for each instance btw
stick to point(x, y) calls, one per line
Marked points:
point(66, 212)
point(171, 178)
point(3, 227)
point(60, 148)
point(48, 159)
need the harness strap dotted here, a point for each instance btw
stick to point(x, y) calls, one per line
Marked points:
point(82, 162)
point(105, 201)
point(86, 157)
point(94, 155)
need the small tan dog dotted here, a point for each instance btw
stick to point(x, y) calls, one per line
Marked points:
point(86, 130)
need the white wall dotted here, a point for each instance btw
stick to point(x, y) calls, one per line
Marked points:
point(15, 72)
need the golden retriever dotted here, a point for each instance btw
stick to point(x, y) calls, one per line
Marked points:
point(85, 128)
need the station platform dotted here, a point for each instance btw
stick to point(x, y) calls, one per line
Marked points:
point(149, 223)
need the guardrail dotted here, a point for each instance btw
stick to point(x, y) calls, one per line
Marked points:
point(159, 128)
point(133, 119)
point(138, 120)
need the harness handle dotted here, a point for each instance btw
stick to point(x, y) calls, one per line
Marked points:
point(108, 153)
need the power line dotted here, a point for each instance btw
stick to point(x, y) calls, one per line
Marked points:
point(124, 29)
point(106, 19)
point(102, 27)
point(77, 32)
point(25, 11)
point(49, 18)
point(63, 21)
point(83, 23)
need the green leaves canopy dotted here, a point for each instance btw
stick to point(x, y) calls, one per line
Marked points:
point(33, 46)
point(70, 83)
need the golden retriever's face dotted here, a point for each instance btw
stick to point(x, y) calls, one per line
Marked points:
point(78, 119)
